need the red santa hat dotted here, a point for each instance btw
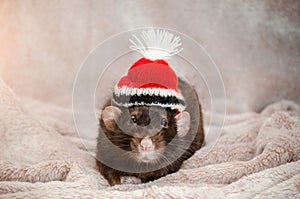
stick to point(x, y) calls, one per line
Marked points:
point(150, 80)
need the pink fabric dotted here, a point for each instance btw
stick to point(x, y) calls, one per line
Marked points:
point(41, 156)
point(255, 45)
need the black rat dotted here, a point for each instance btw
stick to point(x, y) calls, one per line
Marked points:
point(142, 148)
point(153, 121)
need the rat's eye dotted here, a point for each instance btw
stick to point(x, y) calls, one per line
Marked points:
point(163, 122)
point(133, 118)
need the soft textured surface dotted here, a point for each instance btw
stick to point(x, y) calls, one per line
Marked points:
point(252, 42)
point(255, 45)
point(41, 156)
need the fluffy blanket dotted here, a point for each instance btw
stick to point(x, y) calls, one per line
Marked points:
point(41, 156)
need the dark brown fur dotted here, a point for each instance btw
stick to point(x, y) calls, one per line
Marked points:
point(161, 138)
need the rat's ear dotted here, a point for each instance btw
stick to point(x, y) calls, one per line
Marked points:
point(110, 116)
point(183, 121)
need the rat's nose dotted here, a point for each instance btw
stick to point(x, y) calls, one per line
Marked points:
point(147, 144)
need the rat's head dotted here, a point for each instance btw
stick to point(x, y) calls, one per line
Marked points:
point(146, 130)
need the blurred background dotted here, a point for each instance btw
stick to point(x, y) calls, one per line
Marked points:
point(255, 44)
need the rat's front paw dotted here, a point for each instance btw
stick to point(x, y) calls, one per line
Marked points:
point(130, 180)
